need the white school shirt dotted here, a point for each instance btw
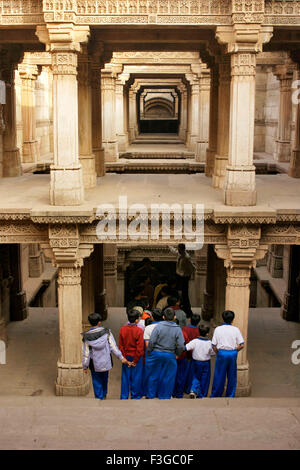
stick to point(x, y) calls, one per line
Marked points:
point(227, 337)
point(148, 330)
point(202, 349)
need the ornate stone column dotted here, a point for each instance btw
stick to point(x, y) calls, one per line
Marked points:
point(204, 98)
point(222, 139)
point(120, 116)
point(67, 253)
point(18, 302)
point(132, 115)
point(64, 43)
point(284, 74)
point(240, 189)
point(86, 156)
point(275, 261)
point(239, 258)
point(110, 272)
point(28, 74)
point(213, 121)
point(109, 136)
point(194, 116)
point(36, 260)
point(294, 169)
point(183, 114)
point(98, 149)
point(208, 300)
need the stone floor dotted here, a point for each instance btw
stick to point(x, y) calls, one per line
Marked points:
point(30, 193)
point(32, 417)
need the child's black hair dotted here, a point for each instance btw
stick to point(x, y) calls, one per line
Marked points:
point(133, 315)
point(195, 319)
point(203, 330)
point(148, 321)
point(157, 314)
point(228, 316)
point(94, 319)
point(172, 301)
point(169, 314)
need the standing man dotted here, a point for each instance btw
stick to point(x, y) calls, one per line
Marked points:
point(184, 271)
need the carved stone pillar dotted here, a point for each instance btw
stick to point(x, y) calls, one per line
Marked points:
point(109, 136)
point(36, 260)
point(18, 303)
point(31, 150)
point(213, 121)
point(204, 98)
point(110, 272)
point(11, 153)
point(284, 73)
point(294, 169)
point(98, 273)
point(71, 379)
point(240, 189)
point(183, 114)
point(86, 156)
point(120, 116)
point(67, 253)
point(239, 258)
point(194, 114)
point(98, 149)
point(64, 42)
point(132, 115)
point(208, 301)
point(275, 261)
point(2, 129)
point(291, 307)
point(222, 139)
point(88, 288)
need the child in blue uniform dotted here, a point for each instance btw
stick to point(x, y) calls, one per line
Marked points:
point(166, 342)
point(202, 352)
point(227, 342)
point(98, 344)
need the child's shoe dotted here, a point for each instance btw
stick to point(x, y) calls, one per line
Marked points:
point(192, 395)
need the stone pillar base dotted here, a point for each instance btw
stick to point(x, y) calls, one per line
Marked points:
point(283, 151)
point(243, 388)
point(71, 380)
point(31, 151)
point(66, 186)
point(294, 170)
point(201, 151)
point(12, 163)
point(99, 161)
point(122, 142)
point(88, 171)
point(111, 151)
point(19, 310)
point(219, 171)
point(240, 186)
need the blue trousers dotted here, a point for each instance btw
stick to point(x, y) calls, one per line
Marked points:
point(183, 367)
point(162, 368)
point(132, 380)
point(225, 366)
point(201, 378)
point(100, 380)
point(189, 377)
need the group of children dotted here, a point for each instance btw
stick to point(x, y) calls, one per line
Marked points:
point(161, 356)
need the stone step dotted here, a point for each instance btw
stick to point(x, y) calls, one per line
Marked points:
point(157, 155)
point(155, 166)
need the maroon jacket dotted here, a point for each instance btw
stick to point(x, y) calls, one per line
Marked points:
point(189, 332)
point(131, 341)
